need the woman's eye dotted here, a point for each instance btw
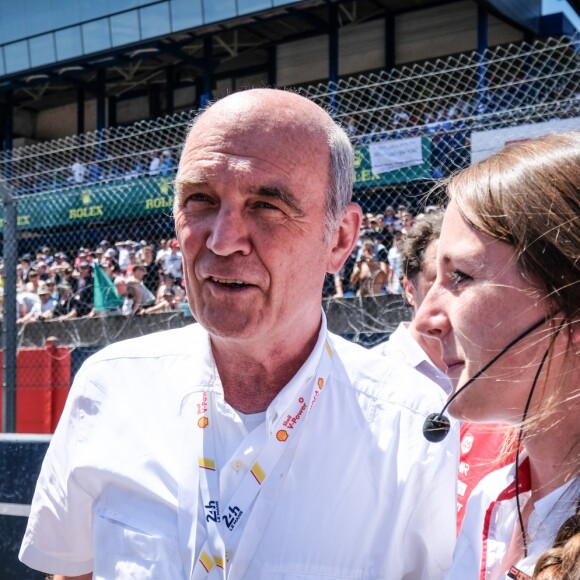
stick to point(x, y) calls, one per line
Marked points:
point(457, 277)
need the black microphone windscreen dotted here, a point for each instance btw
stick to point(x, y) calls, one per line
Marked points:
point(436, 427)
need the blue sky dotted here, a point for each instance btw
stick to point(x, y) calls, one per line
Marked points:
point(551, 6)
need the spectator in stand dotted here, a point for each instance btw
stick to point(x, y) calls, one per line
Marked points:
point(67, 305)
point(154, 165)
point(78, 172)
point(124, 248)
point(86, 289)
point(151, 278)
point(173, 262)
point(33, 281)
point(25, 266)
point(26, 301)
point(407, 221)
point(162, 251)
point(132, 261)
point(60, 261)
point(51, 283)
point(69, 277)
point(42, 308)
point(389, 217)
point(82, 256)
point(169, 282)
point(369, 274)
point(395, 270)
point(147, 296)
point(42, 269)
point(167, 164)
point(166, 304)
point(109, 268)
point(130, 304)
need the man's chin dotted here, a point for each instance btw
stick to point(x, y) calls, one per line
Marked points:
point(229, 327)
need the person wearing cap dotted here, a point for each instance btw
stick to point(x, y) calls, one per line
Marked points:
point(25, 266)
point(167, 304)
point(42, 309)
point(173, 262)
point(169, 282)
point(254, 444)
point(85, 291)
point(151, 277)
point(67, 305)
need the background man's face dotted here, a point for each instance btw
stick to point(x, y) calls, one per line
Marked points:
point(427, 275)
point(250, 206)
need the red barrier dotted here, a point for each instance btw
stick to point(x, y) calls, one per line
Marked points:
point(42, 385)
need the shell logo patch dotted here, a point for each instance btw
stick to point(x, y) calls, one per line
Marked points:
point(282, 435)
point(202, 422)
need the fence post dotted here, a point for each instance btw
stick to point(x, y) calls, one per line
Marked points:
point(9, 312)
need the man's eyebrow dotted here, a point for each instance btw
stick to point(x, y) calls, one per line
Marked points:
point(191, 179)
point(281, 195)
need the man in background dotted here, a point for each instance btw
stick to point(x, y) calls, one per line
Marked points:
point(418, 249)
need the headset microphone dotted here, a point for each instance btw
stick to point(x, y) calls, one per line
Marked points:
point(437, 425)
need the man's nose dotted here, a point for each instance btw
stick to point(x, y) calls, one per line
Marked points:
point(431, 318)
point(229, 233)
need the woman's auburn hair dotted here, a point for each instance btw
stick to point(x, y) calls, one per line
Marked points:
point(528, 195)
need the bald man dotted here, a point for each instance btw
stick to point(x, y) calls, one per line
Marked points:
point(254, 444)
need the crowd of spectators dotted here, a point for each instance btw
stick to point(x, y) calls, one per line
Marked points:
point(374, 267)
point(82, 171)
point(146, 278)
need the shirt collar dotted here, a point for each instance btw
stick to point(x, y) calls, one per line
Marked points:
point(301, 381)
point(205, 376)
point(403, 340)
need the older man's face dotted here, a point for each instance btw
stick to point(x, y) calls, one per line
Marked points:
point(250, 212)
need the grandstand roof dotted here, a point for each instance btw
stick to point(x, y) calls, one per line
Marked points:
point(240, 43)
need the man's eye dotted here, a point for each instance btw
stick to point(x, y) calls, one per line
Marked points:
point(197, 198)
point(265, 205)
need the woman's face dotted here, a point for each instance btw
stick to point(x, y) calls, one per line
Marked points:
point(479, 302)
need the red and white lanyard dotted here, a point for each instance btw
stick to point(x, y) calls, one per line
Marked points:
point(223, 518)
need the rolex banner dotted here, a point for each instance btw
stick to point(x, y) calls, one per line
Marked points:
point(138, 197)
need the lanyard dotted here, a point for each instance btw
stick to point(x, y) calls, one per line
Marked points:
point(223, 518)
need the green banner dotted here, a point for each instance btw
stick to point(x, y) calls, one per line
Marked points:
point(365, 176)
point(138, 197)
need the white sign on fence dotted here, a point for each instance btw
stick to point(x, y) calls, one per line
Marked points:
point(486, 143)
point(392, 155)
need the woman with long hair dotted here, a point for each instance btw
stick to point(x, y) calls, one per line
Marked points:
point(506, 309)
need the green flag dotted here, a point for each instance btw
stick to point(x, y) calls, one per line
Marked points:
point(106, 297)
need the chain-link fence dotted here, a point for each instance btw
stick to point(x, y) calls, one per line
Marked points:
point(105, 197)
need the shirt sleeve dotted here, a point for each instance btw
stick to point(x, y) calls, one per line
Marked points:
point(58, 537)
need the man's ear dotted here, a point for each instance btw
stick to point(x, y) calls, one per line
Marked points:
point(409, 291)
point(344, 240)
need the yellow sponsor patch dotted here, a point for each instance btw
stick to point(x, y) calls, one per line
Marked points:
point(258, 473)
point(206, 463)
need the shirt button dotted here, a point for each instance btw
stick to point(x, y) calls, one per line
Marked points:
point(237, 464)
point(229, 555)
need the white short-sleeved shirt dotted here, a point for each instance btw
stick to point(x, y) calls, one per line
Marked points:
point(365, 496)
point(491, 517)
point(402, 344)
